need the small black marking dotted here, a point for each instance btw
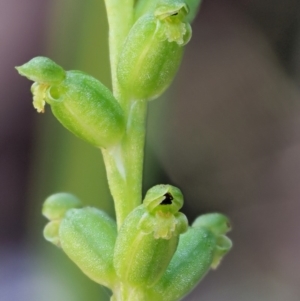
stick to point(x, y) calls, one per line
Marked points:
point(168, 199)
point(174, 14)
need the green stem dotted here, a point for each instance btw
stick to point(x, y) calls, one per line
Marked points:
point(120, 18)
point(124, 162)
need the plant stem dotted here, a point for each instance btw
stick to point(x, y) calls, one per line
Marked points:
point(124, 162)
point(120, 17)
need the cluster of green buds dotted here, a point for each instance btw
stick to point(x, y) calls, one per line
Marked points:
point(155, 255)
point(151, 252)
point(147, 65)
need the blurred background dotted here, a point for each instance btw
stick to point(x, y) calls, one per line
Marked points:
point(227, 133)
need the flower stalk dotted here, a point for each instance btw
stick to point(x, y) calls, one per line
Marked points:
point(150, 252)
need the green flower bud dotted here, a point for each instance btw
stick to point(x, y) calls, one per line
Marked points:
point(191, 261)
point(153, 50)
point(195, 255)
point(88, 109)
point(149, 236)
point(80, 102)
point(56, 205)
point(219, 225)
point(88, 237)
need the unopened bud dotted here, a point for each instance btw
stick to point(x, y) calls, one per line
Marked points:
point(148, 238)
point(80, 102)
point(153, 50)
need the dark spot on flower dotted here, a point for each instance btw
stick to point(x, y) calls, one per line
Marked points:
point(168, 199)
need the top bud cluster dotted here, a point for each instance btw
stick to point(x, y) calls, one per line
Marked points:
point(147, 64)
